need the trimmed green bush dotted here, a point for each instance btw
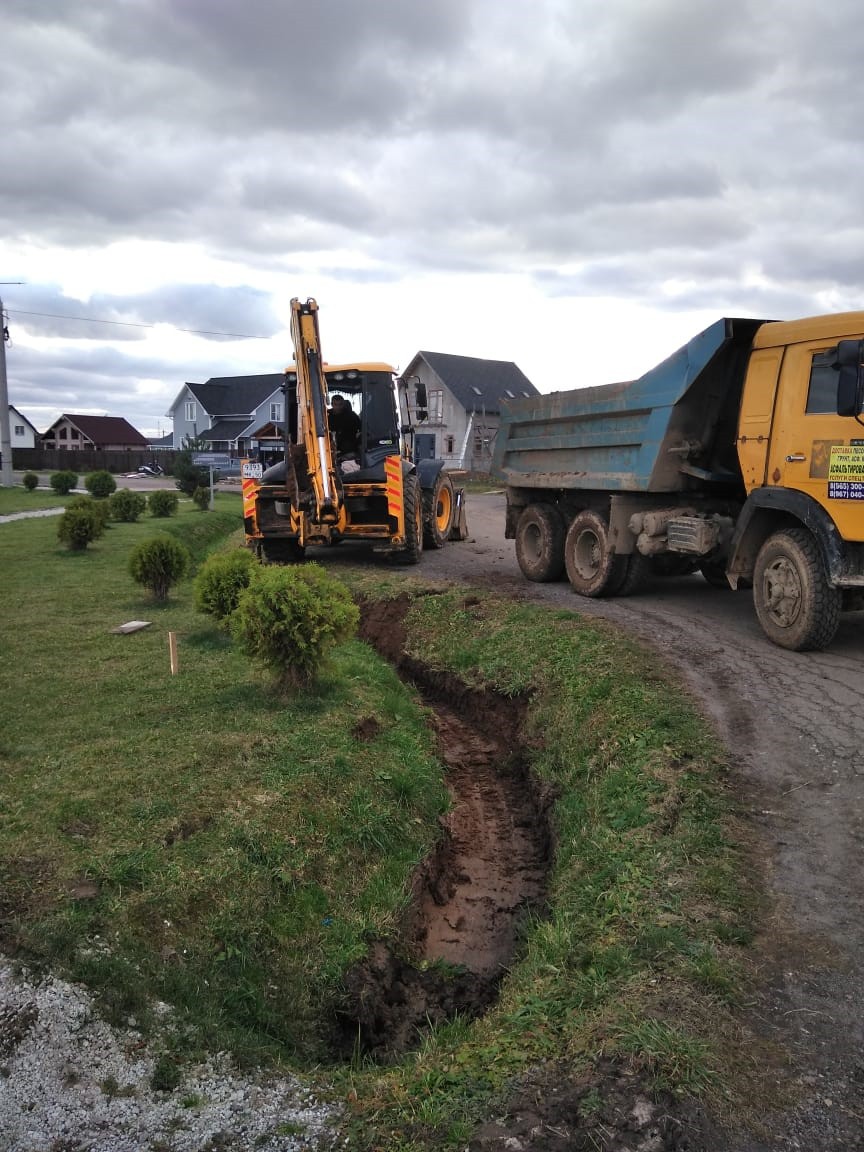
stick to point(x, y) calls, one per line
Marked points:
point(201, 498)
point(288, 618)
point(97, 508)
point(158, 564)
point(162, 503)
point(64, 481)
point(221, 579)
point(78, 527)
point(100, 484)
point(30, 481)
point(127, 505)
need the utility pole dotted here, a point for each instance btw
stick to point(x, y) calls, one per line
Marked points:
point(7, 480)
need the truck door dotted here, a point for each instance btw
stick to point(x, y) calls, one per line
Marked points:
point(810, 443)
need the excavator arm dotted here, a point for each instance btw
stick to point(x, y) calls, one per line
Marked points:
point(312, 405)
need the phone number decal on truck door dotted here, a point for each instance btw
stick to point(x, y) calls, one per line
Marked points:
point(846, 473)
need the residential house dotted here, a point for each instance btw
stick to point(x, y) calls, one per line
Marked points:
point(227, 411)
point(75, 432)
point(21, 431)
point(464, 397)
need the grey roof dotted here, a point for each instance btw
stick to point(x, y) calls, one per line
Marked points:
point(479, 385)
point(235, 395)
point(225, 430)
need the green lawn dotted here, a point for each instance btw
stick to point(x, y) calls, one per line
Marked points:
point(197, 839)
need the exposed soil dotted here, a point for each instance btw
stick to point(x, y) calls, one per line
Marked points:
point(489, 868)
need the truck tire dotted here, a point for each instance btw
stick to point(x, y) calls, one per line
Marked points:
point(794, 602)
point(439, 504)
point(540, 543)
point(638, 571)
point(591, 568)
point(715, 574)
point(413, 497)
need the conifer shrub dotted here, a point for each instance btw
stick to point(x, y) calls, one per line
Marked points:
point(63, 481)
point(78, 527)
point(30, 481)
point(100, 484)
point(201, 498)
point(162, 503)
point(288, 618)
point(221, 579)
point(188, 476)
point(127, 505)
point(158, 564)
point(97, 508)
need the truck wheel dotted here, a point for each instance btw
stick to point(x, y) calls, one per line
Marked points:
point(592, 569)
point(413, 497)
point(795, 605)
point(439, 503)
point(715, 574)
point(540, 543)
point(638, 571)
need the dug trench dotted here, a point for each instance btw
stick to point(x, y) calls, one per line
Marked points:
point(488, 872)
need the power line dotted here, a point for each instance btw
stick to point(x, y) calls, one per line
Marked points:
point(131, 324)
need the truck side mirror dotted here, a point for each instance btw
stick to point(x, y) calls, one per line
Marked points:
point(850, 385)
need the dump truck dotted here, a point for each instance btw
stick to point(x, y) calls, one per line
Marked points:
point(740, 456)
point(347, 471)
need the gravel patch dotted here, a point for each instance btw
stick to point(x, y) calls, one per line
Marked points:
point(71, 1083)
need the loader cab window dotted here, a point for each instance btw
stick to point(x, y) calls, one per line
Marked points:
point(371, 398)
point(822, 393)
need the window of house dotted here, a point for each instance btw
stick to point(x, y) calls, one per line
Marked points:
point(436, 406)
point(276, 413)
point(19, 429)
point(190, 412)
point(822, 393)
point(76, 435)
point(64, 434)
point(449, 448)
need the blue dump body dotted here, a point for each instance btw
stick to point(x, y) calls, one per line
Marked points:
point(634, 436)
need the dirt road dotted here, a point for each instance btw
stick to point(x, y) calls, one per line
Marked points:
point(794, 723)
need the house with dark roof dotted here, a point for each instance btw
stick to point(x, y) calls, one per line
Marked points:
point(76, 432)
point(464, 396)
point(226, 411)
point(22, 433)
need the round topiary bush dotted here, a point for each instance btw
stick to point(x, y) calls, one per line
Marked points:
point(201, 498)
point(63, 481)
point(158, 564)
point(127, 505)
point(289, 618)
point(30, 481)
point(163, 503)
point(98, 509)
point(77, 528)
point(100, 484)
point(221, 579)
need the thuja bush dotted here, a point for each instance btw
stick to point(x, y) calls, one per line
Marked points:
point(78, 527)
point(221, 579)
point(30, 481)
point(98, 509)
point(201, 498)
point(100, 484)
point(127, 505)
point(162, 503)
point(63, 481)
point(288, 618)
point(158, 564)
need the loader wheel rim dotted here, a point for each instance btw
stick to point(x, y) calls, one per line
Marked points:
point(783, 594)
point(444, 509)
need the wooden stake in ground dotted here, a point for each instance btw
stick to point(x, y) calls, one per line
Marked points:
point(172, 651)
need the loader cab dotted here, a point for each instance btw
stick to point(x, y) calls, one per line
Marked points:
point(370, 392)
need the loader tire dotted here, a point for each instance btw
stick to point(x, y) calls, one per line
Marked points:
point(439, 505)
point(413, 497)
point(540, 543)
point(795, 605)
point(592, 569)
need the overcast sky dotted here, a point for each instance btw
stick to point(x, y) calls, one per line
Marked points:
point(576, 185)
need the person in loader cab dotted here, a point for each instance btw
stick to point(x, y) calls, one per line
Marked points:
point(344, 424)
